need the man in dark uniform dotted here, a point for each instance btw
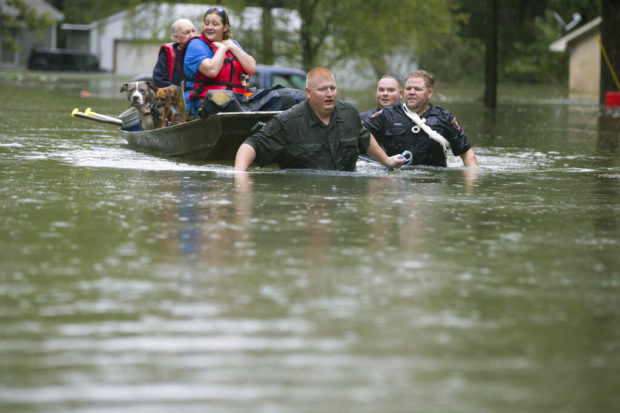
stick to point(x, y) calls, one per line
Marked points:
point(421, 127)
point(166, 71)
point(388, 93)
point(318, 133)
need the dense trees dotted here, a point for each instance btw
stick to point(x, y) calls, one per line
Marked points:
point(447, 36)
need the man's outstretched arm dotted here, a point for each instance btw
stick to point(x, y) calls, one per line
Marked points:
point(245, 156)
point(375, 151)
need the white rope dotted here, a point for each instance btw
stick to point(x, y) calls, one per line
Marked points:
point(420, 123)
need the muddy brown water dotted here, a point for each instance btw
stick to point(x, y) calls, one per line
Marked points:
point(134, 283)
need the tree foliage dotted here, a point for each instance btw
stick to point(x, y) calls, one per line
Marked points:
point(82, 12)
point(443, 36)
point(374, 31)
point(525, 30)
point(17, 13)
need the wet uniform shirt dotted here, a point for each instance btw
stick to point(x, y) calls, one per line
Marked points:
point(296, 138)
point(392, 129)
point(368, 113)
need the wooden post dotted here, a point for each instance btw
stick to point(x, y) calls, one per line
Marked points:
point(267, 29)
point(490, 56)
point(610, 37)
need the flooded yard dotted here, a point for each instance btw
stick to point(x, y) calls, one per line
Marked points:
point(134, 283)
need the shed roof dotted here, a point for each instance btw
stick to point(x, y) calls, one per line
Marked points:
point(562, 43)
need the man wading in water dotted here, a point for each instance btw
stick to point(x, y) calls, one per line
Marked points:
point(426, 130)
point(318, 133)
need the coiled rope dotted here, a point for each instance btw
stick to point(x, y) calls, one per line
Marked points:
point(421, 124)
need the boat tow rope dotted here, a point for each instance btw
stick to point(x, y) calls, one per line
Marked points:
point(408, 158)
point(259, 124)
point(406, 154)
point(420, 123)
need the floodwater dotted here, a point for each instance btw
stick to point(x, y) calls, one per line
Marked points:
point(132, 283)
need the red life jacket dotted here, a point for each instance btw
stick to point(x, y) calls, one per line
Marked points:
point(170, 55)
point(226, 79)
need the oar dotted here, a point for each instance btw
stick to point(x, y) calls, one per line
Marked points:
point(114, 119)
point(89, 114)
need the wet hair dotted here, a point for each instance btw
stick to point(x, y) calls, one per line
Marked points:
point(220, 11)
point(429, 79)
point(390, 76)
point(318, 72)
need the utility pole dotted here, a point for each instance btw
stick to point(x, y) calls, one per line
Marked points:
point(490, 56)
point(610, 37)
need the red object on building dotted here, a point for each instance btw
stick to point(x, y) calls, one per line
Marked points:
point(612, 99)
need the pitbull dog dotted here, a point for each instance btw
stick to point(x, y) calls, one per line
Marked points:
point(141, 95)
point(171, 104)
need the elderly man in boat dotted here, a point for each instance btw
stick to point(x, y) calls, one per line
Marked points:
point(318, 133)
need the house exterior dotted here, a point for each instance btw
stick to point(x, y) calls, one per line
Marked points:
point(127, 43)
point(25, 38)
point(584, 72)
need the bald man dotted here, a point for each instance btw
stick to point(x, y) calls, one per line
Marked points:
point(167, 72)
point(318, 133)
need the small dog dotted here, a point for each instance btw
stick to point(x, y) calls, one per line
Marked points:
point(141, 95)
point(171, 104)
point(245, 81)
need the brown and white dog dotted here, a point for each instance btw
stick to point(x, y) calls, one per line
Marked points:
point(171, 105)
point(141, 95)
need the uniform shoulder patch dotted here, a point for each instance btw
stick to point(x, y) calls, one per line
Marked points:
point(455, 124)
point(376, 114)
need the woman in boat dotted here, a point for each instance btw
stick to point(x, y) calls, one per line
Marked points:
point(212, 60)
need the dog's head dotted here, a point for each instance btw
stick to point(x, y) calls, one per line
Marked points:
point(139, 93)
point(166, 96)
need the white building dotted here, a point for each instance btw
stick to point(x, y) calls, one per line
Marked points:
point(584, 72)
point(127, 42)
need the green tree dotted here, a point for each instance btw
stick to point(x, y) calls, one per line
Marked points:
point(17, 13)
point(264, 40)
point(81, 12)
point(375, 30)
point(525, 30)
point(369, 30)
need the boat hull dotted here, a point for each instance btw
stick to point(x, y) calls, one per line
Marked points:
point(215, 138)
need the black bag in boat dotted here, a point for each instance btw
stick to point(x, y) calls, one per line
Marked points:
point(273, 99)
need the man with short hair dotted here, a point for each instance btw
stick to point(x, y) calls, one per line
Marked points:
point(388, 93)
point(423, 128)
point(318, 133)
point(166, 71)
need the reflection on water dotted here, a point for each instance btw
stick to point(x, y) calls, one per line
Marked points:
point(135, 283)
